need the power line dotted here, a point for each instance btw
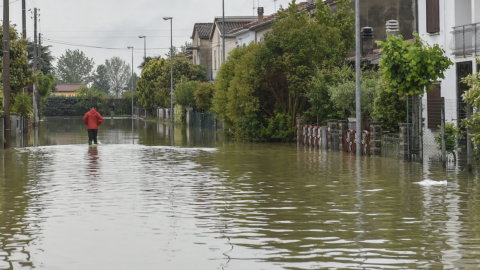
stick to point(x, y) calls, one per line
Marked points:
point(67, 43)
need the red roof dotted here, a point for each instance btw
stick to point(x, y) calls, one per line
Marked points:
point(72, 87)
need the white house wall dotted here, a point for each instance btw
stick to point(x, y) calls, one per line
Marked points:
point(244, 39)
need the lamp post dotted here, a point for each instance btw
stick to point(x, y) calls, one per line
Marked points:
point(358, 90)
point(171, 66)
point(131, 48)
point(144, 48)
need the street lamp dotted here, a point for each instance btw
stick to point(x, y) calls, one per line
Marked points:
point(144, 48)
point(131, 48)
point(171, 66)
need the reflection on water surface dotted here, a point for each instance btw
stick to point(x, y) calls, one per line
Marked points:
point(194, 201)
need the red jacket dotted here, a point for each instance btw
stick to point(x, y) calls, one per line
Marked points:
point(92, 119)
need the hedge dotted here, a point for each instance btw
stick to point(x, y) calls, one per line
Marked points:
point(72, 106)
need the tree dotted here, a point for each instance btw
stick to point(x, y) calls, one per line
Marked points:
point(203, 95)
point(261, 89)
point(472, 97)
point(118, 75)
point(300, 43)
point(91, 97)
point(411, 67)
point(21, 75)
point(45, 84)
point(184, 93)
point(45, 60)
point(74, 67)
point(153, 86)
point(100, 80)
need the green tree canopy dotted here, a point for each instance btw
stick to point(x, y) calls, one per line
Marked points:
point(74, 67)
point(100, 80)
point(153, 86)
point(118, 75)
point(21, 75)
point(411, 67)
point(45, 60)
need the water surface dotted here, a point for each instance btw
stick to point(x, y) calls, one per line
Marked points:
point(149, 200)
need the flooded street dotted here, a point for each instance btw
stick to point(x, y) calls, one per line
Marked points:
point(147, 200)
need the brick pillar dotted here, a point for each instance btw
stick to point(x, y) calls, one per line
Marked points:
point(375, 139)
point(404, 151)
point(342, 130)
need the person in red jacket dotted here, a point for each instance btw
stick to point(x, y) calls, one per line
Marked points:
point(92, 120)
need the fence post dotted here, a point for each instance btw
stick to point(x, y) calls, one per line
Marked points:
point(342, 129)
point(469, 141)
point(375, 139)
point(404, 151)
point(442, 123)
point(332, 130)
point(299, 130)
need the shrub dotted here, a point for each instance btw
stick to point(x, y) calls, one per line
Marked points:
point(22, 104)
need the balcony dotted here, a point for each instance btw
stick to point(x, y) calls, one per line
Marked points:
point(466, 40)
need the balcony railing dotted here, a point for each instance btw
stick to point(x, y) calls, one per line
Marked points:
point(466, 40)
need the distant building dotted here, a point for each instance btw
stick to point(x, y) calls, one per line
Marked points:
point(216, 35)
point(202, 47)
point(67, 90)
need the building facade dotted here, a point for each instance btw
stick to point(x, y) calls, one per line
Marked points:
point(202, 47)
point(216, 38)
point(455, 27)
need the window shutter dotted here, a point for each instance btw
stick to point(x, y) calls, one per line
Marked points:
point(433, 16)
point(434, 107)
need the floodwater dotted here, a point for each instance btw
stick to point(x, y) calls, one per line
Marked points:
point(149, 200)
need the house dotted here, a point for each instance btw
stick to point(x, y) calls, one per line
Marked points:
point(255, 31)
point(67, 90)
point(454, 26)
point(202, 46)
point(217, 34)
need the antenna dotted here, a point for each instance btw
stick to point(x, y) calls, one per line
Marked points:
point(275, 5)
point(253, 7)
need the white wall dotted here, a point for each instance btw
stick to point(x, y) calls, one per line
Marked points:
point(463, 11)
point(245, 38)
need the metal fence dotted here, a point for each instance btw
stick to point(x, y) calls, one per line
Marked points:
point(390, 145)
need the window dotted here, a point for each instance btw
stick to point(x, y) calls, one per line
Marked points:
point(433, 16)
point(434, 107)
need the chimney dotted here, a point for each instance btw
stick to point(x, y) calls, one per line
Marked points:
point(392, 27)
point(260, 13)
point(367, 40)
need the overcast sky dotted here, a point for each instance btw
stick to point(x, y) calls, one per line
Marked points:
point(118, 23)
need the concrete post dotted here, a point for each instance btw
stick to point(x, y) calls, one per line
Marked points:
point(332, 126)
point(375, 139)
point(189, 117)
point(299, 130)
point(342, 129)
point(404, 151)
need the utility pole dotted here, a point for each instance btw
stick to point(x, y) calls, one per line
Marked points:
point(144, 48)
point(24, 19)
point(223, 30)
point(35, 67)
point(6, 71)
point(133, 135)
point(358, 90)
point(171, 67)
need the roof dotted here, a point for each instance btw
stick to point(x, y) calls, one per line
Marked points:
point(231, 23)
point(68, 87)
point(203, 30)
point(270, 19)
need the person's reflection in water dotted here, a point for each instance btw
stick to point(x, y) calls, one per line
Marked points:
point(93, 166)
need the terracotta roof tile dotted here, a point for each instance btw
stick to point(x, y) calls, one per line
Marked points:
point(68, 87)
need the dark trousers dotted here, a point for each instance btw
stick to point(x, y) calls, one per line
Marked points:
point(92, 136)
